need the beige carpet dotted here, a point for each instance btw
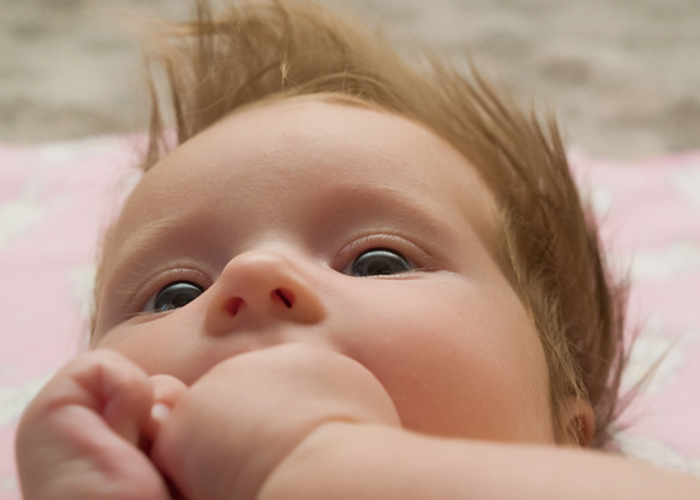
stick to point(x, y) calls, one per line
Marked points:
point(623, 75)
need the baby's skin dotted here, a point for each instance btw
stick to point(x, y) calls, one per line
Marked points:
point(82, 436)
point(104, 429)
point(290, 421)
point(304, 301)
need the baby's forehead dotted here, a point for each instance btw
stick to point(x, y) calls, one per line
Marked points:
point(302, 150)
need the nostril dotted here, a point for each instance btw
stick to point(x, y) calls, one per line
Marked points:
point(233, 305)
point(280, 294)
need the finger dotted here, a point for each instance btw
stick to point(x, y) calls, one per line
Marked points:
point(103, 382)
point(76, 435)
point(125, 392)
point(167, 390)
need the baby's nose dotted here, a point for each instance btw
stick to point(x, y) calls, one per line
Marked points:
point(264, 284)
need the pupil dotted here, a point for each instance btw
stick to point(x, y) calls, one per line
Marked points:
point(380, 262)
point(176, 295)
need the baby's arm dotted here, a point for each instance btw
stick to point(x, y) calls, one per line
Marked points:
point(79, 438)
point(345, 461)
point(297, 422)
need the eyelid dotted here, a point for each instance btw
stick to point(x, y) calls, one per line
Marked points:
point(152, 285)
point(418, 258)
point(150, 305)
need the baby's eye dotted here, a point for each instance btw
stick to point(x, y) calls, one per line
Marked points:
point(172, 296)
point(379, 262)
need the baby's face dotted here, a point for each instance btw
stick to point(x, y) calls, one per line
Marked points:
point(342, 227)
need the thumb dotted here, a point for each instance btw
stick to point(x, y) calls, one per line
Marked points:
point(167, 390)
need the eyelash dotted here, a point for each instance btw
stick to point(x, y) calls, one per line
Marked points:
point(152, 304)
point(417, 259)
point(161, 281)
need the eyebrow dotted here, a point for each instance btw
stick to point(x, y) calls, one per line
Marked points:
point(130, 250)
point(354, 203)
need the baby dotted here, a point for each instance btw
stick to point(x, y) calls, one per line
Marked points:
point(350, 279)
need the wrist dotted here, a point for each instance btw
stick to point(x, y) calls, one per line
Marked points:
point(333, 449)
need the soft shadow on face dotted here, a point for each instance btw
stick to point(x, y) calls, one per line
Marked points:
point(269, 212)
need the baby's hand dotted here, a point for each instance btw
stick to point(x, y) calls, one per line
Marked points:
point(81, 436)
point(234, 427)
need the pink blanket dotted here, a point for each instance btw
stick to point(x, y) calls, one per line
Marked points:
point(55, 200)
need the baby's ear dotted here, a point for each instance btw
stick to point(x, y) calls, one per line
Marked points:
point(578, 421)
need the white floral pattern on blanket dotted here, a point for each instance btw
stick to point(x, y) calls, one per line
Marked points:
point(56, 199)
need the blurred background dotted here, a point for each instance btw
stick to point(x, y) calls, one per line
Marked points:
point(623, 76)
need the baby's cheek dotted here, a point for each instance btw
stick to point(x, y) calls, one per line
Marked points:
point(169, 345)
point(459, 365)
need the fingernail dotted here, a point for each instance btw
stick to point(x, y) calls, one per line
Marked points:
point(160, 412)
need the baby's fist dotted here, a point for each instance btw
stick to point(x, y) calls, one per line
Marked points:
point(79, 438)
point(236, 424)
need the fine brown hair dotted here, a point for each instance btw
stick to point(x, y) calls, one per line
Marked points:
point(549, 248)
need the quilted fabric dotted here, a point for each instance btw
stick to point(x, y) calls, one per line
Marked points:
point(55, 199)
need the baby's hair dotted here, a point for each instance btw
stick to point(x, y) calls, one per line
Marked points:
point(255, 51)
